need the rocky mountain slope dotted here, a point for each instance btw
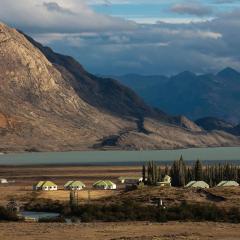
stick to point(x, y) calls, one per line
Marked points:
point(48, 102)
point(195, 96)
point(212, 124)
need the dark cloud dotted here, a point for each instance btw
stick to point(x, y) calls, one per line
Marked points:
point(54, 7)
point(159, 48)
point(109, 45)
point(192, 8)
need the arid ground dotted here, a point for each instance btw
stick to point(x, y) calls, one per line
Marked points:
point(119, 231)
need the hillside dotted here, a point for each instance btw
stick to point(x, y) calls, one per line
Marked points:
point(48, 102)
point(195, 96)
point(212, 124)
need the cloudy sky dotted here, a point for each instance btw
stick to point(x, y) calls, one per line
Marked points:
point(134, 36)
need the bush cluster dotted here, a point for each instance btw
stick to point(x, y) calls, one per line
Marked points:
point(132, 211)
point(44, 205)
point(7, 215)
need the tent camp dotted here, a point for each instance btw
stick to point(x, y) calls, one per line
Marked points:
point(74, 185)
point(45, 186)
point(197, 184)
point(104, 184)
point(228, 184)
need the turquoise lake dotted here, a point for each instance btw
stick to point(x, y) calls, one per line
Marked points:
point(121, 157)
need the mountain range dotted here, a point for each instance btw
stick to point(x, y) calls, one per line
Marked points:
point(212, 124)
point(195, 96)
point(49, 102)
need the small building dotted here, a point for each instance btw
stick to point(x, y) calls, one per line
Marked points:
point(131, 183)
point(228, 184)
point(45, 186)
point(166, 182)
point(197, 184)
point(104, 185)
point(74, 185)
point(130, 179)
point(3, 181)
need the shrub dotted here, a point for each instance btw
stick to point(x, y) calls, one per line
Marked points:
point(132, 211)
point(44, 205)
point(7, 215)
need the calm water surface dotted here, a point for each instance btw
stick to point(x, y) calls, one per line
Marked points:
point(38, 215)
point(121, 157)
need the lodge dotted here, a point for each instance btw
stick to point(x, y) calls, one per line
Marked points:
point(228, 184)
point(166, 182)
point(45, 186)
point(104, 185)
point(74, 185)
point(130, 179)
point(197, 184)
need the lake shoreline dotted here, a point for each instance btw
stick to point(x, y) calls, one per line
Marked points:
point(117, 150)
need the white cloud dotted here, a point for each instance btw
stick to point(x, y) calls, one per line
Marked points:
point(113, 45)
point(61, 16)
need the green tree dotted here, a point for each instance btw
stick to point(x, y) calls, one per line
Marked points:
point(178, 173)
point(198, 171)
point(153, 173)
point(144, 172)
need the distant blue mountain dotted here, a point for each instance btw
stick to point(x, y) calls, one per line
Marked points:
point(195, 96)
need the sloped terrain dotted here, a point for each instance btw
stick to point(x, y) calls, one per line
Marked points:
point(212, 124)
point(48, 102)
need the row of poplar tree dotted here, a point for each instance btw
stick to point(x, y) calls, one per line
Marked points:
point(181, 174)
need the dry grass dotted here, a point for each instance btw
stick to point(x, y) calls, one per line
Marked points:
point(62, 195)
point(120, 231)
point(25, 177)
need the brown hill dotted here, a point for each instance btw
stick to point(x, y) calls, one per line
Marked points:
point(48, 102)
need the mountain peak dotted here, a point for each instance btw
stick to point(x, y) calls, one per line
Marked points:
point(186, 74)
point(228, 73)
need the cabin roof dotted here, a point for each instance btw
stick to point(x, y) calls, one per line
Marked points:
point(104, 183)
point(227, 183)
point(197, 184)
point(130, 177)
point(45, 184)
point(74, 184)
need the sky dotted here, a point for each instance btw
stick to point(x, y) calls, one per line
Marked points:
point(115, 37)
